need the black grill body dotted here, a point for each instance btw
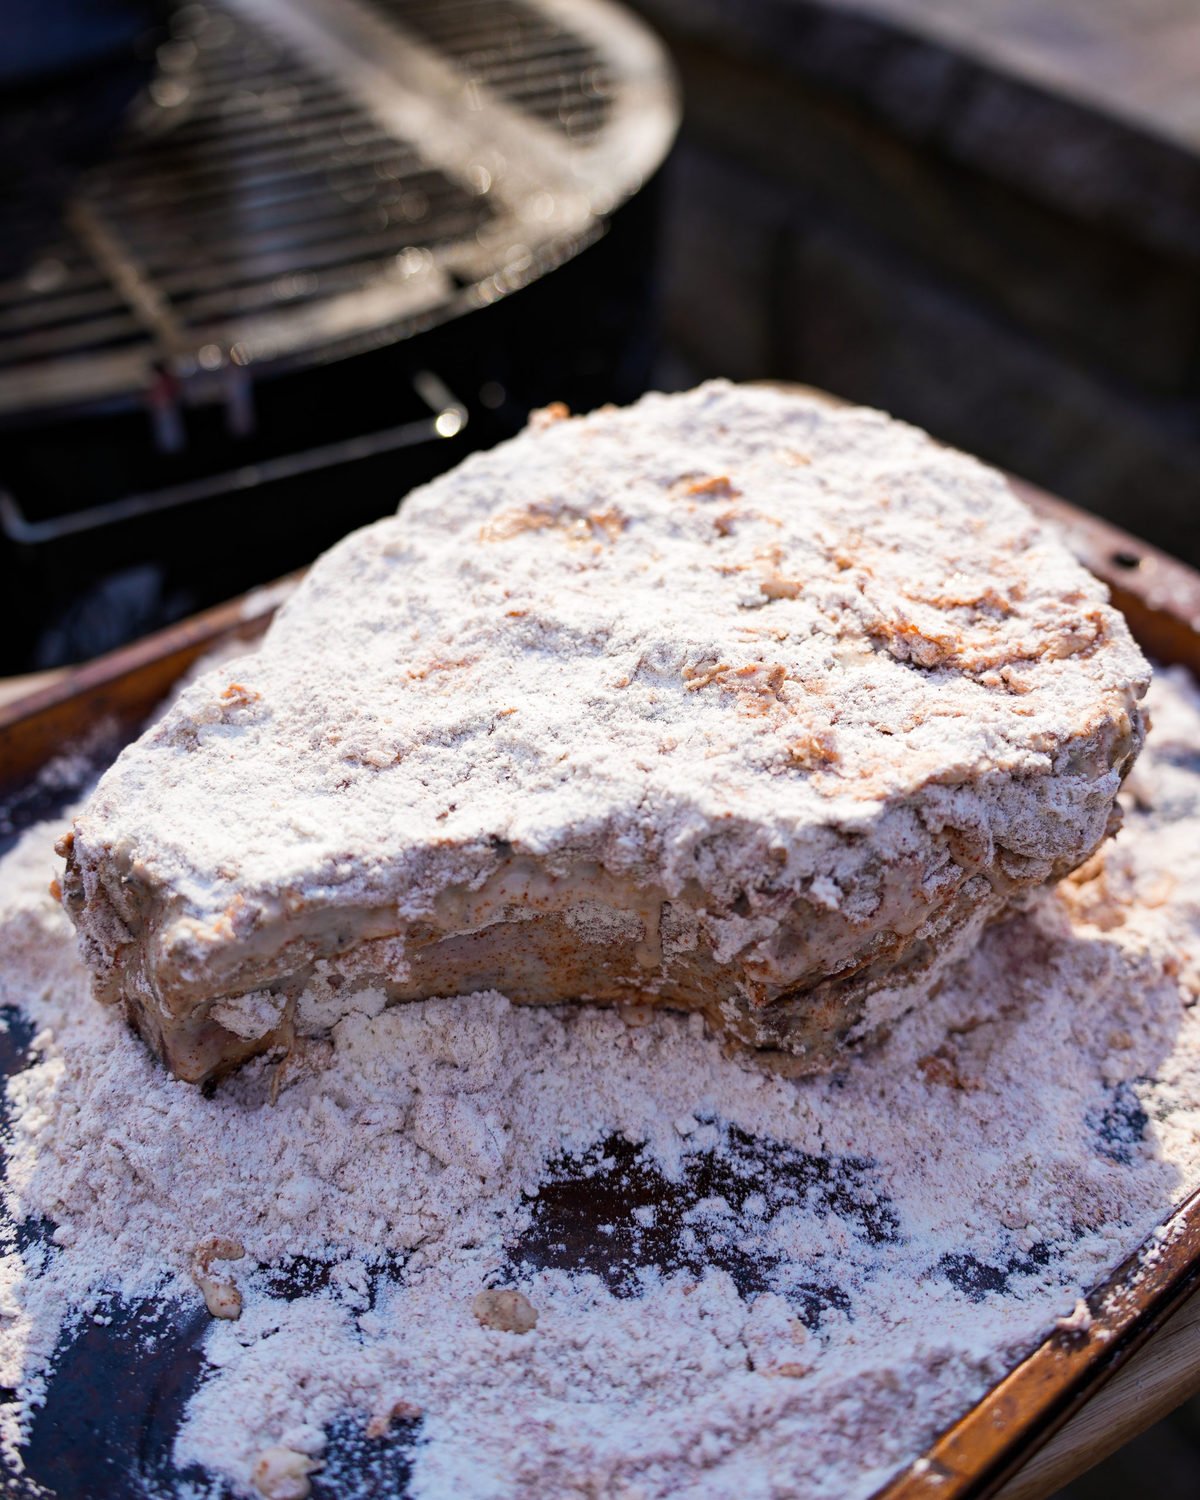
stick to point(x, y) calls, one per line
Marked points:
point(283, 298)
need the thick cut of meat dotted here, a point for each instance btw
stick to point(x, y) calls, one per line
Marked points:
point(727, 701)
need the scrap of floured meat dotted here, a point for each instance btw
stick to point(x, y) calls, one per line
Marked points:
point(727, 701)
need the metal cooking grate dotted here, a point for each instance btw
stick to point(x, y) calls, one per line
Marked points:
point(301, 182)
point(250, 183)
point(525, 55)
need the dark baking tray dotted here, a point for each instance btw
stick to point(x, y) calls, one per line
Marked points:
point(118, 1388)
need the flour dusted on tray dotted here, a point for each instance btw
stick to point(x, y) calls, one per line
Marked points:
point(798, 1317)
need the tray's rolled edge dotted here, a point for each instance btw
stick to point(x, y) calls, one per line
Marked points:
point(1160, 598)
point(974, 1457)
point(1158, 595)
point(124, 686)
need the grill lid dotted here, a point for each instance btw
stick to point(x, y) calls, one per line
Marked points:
point(310, 177)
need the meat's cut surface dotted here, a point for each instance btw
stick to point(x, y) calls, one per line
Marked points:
point(727, 701)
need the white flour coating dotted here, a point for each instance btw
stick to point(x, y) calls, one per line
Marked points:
point(1009, 1143)
point(823, 687)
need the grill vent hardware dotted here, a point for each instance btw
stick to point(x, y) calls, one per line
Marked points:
point(269, 204)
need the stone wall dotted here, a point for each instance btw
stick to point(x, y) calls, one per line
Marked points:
point(912, 220)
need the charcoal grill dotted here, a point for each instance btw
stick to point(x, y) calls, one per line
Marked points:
point(264, 280)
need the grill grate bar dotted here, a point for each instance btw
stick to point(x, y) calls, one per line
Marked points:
point(84, 336)
point(263, 188)
point(552, 105)
point(239, 268)
point(504, 70)
point(502, 44)
point(247, 164)
point(276, 112)
point(221, 133)
point(211, 309)
point(454, 20)
point(144, 299)
point(280, 166)
point(220, 236)
point(217, 96)
point(22, 290)
point(72, 305)
point(308, 199)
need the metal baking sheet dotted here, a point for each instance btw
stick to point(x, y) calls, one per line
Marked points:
point(118, 1388)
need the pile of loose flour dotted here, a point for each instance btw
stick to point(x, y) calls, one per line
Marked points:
point(779, 1288)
